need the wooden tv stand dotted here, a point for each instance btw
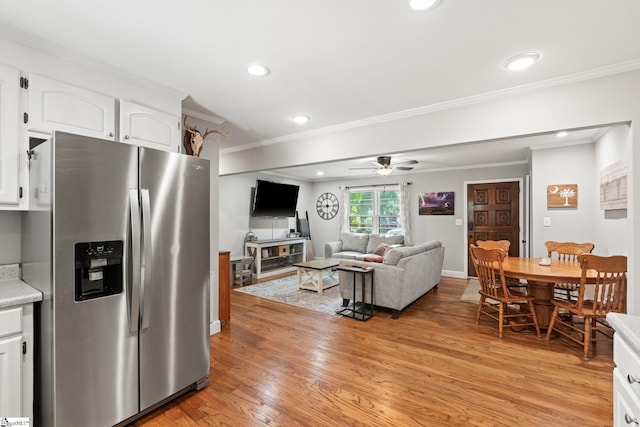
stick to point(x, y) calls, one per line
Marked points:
point(276, 256)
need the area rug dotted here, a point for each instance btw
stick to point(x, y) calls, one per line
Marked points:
point(470, 293)
point(286, 290)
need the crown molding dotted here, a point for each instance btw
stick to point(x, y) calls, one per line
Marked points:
point(207, 117)
point(447, 105)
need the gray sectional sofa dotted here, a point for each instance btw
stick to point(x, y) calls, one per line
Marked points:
point(404, 275)
point(358, 246)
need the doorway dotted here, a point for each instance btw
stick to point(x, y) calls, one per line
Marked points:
point(493, 213)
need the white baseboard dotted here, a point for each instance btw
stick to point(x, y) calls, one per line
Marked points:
point(215, 327)
point(454, 274)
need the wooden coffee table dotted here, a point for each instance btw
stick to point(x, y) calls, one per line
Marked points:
point(311, 274)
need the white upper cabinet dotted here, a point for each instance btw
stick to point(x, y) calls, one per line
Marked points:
point(55, 105)
point(140, 125)
point(9, 132)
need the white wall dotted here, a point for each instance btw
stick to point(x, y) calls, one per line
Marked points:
point(531, 110)
point(565, 165)
point(10, 237)
point(235, 210)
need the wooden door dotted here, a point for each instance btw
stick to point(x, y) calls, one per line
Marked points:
point(493, 214)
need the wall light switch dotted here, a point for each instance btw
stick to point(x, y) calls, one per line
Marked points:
point(458, 222)
point(546, 221)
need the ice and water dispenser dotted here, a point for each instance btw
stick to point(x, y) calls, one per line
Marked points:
point(98, 269)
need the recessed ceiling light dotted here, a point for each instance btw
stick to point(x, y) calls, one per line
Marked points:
point(258, 70)
point(423, 4)
point(562, 133)
point(320, 173)
point(300, 119)
point(521, 61)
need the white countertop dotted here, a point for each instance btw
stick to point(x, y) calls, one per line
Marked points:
point(16, 292)
point(628, 326)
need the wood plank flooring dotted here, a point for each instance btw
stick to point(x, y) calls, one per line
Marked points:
point(280, 365)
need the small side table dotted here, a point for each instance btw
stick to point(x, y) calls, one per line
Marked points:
point(241, 270)
point(358, 309)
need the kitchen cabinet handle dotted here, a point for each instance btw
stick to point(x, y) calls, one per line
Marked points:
point(111, 134)
point(629, 420)
point(633, 379)
point(146, 258)
point(126, 137)
point(134, 288)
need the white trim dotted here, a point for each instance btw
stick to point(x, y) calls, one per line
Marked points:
point(454, 274)
point(203, 116)
point(215, 327)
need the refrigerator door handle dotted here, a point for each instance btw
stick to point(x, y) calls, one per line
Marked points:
point(146, 257)
point(134, 294)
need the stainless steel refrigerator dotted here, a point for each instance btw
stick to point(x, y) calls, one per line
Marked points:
point(117, 239)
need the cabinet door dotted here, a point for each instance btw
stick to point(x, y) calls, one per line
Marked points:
point(11, 377)
point(55, 105)
point(9, 130)
point(140, 125)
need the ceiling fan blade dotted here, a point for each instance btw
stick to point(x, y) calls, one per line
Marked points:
point(408, 162)
point(376, 164)
point(368, 168)
point(402, 168)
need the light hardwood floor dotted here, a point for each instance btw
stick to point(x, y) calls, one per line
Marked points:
point(279, 365)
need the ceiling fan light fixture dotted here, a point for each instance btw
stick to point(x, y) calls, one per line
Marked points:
point(521, 61)
point(423, 4)
point(384, 171)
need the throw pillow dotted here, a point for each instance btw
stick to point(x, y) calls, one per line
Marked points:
point(381, 249)
point(373, 258)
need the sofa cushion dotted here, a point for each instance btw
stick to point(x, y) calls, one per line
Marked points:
point(376, 239)
point(354, 242)
point(373, 258)
point(396, 254)
point(381, 249)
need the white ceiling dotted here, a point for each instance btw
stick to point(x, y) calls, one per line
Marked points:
point(338, 61)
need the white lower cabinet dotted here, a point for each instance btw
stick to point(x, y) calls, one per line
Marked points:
point(626, 384)
point(140, 125)
point(16, 361)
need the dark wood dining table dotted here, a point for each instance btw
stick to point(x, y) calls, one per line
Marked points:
point(541, 280)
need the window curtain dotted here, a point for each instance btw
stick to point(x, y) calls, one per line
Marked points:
point(405, 212)
point(344, 212)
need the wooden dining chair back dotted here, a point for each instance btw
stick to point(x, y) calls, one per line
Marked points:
point(496, 299)
point(505, 245)
point(606, 293)
point(568, 252)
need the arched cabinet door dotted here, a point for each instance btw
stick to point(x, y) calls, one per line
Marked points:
point(141, 125)
point(55, 105)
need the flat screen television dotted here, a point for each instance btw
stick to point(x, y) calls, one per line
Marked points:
point(274, 199)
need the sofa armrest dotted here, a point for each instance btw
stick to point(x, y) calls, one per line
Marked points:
point(332, 247)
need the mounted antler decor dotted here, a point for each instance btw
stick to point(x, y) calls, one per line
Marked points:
point(193, 139)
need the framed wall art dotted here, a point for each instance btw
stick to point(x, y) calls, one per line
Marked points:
point(562, 196)
point(441, 203)
point(613, 186)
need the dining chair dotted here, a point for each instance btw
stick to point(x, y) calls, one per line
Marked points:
point(496, 299)
point(566, 251)
point(595, 300)
point(504, 245)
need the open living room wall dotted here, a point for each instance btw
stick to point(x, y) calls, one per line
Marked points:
point(235, 210)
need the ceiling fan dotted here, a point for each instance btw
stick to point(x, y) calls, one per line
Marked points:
point(383, 165)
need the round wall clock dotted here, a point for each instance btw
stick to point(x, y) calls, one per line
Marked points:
point(327, 205)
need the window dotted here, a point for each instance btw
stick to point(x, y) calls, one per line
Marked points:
point(375, 211)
